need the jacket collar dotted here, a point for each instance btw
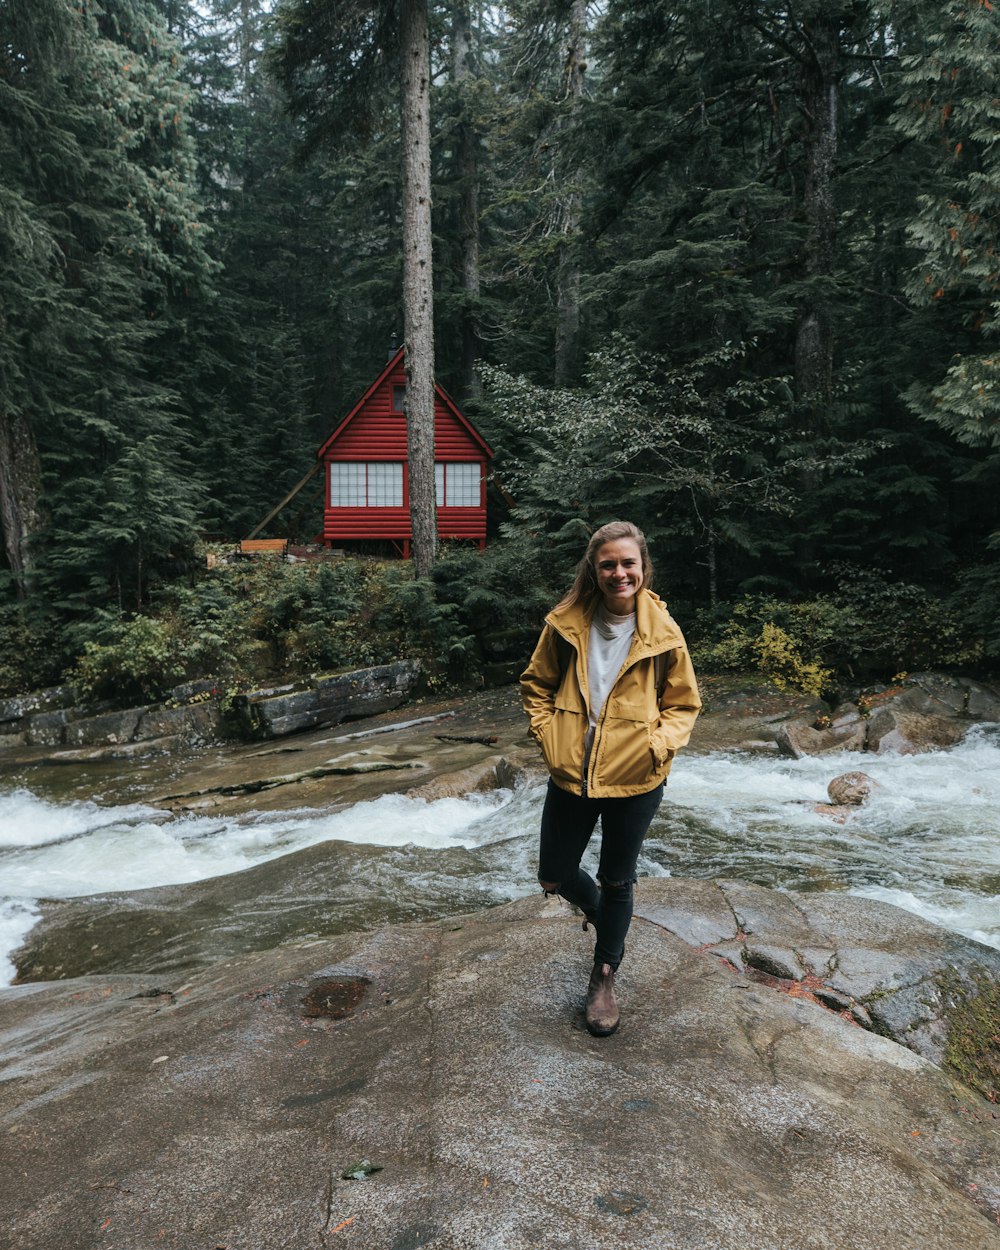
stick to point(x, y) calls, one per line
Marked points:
point(655, 628)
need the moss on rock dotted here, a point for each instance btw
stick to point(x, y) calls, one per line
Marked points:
point(973, 1013)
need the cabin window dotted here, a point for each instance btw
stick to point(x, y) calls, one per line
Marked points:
point(398, 399)
point(458, 485)
point(375, 484)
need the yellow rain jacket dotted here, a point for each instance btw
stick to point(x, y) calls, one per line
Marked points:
point(637, 734)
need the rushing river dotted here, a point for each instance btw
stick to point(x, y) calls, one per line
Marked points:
point(929, 840)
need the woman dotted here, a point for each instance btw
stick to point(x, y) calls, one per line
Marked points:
point(611, 697)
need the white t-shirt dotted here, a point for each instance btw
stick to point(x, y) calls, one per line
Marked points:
point(607, 647)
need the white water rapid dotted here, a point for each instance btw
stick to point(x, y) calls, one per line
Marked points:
point(928, 841)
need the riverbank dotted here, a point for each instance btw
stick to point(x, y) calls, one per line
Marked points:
point(396, 750)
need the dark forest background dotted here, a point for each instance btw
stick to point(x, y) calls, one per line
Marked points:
point(725, 268)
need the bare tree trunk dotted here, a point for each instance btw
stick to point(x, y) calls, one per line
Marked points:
point(418, 295)
point(711, 535)
point(814, 333)
point(468, 210)
point(246, 38)
point(139, 574)
point(20, 488)
point(568, 299)
point(712, 560)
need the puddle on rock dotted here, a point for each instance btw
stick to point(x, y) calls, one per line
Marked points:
point(335, 998)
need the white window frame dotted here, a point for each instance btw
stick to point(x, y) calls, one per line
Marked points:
point(467, 476)
point(366, 484)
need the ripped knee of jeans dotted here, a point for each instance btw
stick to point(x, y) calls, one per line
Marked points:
point(617, 889)
point(549, 887)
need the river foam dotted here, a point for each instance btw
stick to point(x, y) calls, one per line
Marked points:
point(927, 841)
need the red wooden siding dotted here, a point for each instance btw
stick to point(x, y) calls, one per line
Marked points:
point(394, 523)
point(372, 431)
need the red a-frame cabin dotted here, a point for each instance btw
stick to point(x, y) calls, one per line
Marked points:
point(366, 469)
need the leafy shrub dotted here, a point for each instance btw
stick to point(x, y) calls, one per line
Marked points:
point(256, 623)
point(976, 602)
point(902, 626)
point(30, 649)
point(139, 662)
point(510, 585)
point(751, 641)
point(779, 657)
point(868, 627)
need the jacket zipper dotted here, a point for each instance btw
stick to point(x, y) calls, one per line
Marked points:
point(583, 696)
point(586, 708)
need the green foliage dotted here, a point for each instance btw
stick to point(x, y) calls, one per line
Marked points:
point(265, 622)
point(512, 584)
point(30, 649)
point(792, 644)
point(187, 312)
point(261, 622)
point(903, 626)
point(976, 604)
point(694, 450)
point(139, 662)
point(869, 627)
point(111, 262)
point(973, 1014)
point(779, 658)
point(948, 103)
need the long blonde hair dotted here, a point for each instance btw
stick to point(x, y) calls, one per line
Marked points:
point(584, 589)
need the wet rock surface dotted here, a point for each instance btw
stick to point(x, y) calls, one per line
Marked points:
point(886, 968)
point(194, 714)
point(397, 750)
point(808, 1070)
point(329, 700)
point(433, 1085)
point(923, 712)
point(174, 930)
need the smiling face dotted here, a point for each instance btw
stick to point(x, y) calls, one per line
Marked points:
point(618, 570)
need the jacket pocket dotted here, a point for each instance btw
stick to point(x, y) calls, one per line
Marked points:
point(626, 756)
point(562, 746)
point(634, 708)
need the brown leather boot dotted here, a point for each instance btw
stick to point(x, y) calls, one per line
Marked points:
point(602, 1012)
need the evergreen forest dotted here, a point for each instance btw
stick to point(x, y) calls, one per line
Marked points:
point(725, 268)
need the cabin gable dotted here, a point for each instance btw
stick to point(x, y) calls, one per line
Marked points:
point(366, 468)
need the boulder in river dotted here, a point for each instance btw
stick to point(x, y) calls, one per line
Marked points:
point(847, 793)
point(852, 788)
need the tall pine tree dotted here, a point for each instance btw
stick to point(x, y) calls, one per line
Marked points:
point(105, 176)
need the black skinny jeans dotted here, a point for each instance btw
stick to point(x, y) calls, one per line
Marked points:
point(568, 821)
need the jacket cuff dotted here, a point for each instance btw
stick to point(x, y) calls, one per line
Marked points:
point(661, 753)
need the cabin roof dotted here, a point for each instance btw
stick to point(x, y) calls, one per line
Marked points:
point(382, 378)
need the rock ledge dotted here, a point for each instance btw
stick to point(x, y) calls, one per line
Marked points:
point(447, 1063)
